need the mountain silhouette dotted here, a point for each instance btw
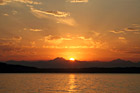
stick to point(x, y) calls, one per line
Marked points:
point(59, 59)
point(8, 68)
point(60, 62)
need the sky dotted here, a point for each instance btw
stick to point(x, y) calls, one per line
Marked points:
point(81, 29)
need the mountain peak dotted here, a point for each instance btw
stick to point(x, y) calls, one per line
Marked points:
point(118, 60)
point(59, 59)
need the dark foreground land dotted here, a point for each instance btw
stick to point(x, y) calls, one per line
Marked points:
point(7, 68)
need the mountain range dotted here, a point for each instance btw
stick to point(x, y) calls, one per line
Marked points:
point(60, 62)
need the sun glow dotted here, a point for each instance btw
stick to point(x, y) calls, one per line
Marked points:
point(72, 59)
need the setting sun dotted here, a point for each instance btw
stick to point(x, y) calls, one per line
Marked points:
point(72, 59)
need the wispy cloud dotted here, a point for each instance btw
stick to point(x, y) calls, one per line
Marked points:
point(16, 38)
point(68, 21)
point(28, 1)
point(58, 16)
point(56, 13)
point(131, 29)
point(51, 38)
point(77, 1)
point(55, 39)
point(135, 28)
point(136, 25)
point(117, 32)
point(121, 38)
point(33, 29)
point(52, 13)
point(10, 41)
point(4, 2)
point(6, 14)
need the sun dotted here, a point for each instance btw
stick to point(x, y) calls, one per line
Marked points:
point(72, 59)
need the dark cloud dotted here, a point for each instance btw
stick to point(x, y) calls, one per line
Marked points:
point(131, 29)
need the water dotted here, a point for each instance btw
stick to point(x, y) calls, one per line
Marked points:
point(69, 83)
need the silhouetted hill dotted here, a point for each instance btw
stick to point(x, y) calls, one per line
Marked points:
point(62, 63)
point(7, 68)
point(59, 59)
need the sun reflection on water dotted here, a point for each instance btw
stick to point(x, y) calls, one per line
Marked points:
point(72, 83)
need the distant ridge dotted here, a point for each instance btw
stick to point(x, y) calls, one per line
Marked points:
point(8, 68)
point(60, 62)
point(120, 61)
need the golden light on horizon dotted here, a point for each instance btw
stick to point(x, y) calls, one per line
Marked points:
point(72, 59)
point(62, 29)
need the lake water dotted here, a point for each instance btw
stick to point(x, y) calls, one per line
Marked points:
point(70, 83)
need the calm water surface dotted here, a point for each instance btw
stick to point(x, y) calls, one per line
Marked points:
point(69, 83)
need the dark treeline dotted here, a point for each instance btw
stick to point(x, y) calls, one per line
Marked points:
point(7, 68)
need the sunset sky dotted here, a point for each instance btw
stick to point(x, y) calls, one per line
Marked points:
point(81, 29)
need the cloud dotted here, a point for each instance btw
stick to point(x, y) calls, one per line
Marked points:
point(6, 14)
point(58, 16)
point(121, 38)
point(16, 51)
point(4, 2)
point(84, 38)
point(10, 41)
point(96, 33)
point(68, 47)
point(70, 42)
point(15, 38)
point(136, 25)
point(77, 1)
point(67, 21)
point(13, 46)
point(135, 28)
point(55, 39)
point(131, 29)
point(33, 30)
point(117, 32)
point(14, 12)
point(51, 38)
point(56, 13)
point(130, 50)
point(28, 2)
point(52, 13)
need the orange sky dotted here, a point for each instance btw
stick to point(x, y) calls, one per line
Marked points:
point(82, 29)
